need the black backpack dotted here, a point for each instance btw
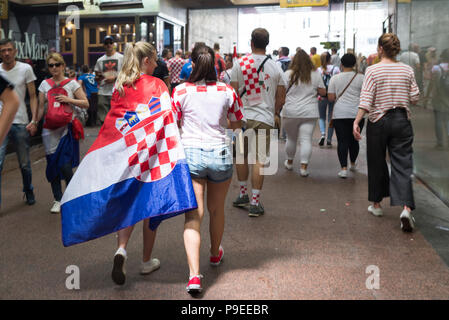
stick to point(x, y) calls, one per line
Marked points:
point(327, 77)
point(284, 65)
point(444, 81)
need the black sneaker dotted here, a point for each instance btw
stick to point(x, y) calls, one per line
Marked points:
point(29, 195)
point(241, 201)
point(256, 210)
point(329, 144)
point(118, 269)
point(321, 143)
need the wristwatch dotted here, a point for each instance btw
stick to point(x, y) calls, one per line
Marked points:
point(34, 122)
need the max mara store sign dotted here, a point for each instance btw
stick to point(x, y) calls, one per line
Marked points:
point(28, 49)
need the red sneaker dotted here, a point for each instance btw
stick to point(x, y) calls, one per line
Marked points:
point(215, 261)
point(194, 285)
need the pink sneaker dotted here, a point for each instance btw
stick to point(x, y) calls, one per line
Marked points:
point(194, 285)
point(215, 261)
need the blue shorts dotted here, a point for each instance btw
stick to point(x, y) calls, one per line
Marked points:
point(214, 165)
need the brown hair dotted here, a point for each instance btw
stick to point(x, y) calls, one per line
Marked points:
point(302, 67)
point(260, 38)
point(204, 59)
point(390, 44)
point(325, 60)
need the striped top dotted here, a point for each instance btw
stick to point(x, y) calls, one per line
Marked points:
point(388, 86)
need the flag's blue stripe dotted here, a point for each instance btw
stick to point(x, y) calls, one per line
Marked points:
point(124, 204)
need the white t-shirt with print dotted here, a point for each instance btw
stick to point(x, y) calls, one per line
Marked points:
point(272, 76)
point(301, 100)
point(108, 66)
point(20, 76)
point(347, 105)
point(203, 111)
point(51, 138)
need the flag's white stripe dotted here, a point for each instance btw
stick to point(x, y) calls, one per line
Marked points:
point(98, 170)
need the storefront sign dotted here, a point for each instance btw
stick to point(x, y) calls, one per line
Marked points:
point(3, 9)
point(303, 3)
point(28, 49)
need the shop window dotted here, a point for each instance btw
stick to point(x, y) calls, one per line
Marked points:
point(92, 36)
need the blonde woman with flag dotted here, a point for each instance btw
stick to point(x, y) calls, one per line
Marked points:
point(135, 170)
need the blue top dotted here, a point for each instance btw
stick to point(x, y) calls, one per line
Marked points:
point(89, 82)
point(186, 70)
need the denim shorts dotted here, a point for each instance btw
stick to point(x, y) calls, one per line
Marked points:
point(213, 164)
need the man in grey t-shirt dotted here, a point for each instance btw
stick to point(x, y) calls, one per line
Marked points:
point(106, 72)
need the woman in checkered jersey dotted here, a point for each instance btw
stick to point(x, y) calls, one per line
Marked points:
point(204, 107)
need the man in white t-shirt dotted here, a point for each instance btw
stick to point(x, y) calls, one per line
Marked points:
point(106, 71)
point(411, 58)
point(21, 75)
point(263, 97)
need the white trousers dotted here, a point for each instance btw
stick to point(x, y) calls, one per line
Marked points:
point(304, 127)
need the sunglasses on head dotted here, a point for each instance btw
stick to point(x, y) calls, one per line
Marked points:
point(51, 65)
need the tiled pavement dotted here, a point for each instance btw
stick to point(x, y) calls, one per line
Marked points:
point(315, 241)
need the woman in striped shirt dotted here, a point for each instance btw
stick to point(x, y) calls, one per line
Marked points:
point(388, 89)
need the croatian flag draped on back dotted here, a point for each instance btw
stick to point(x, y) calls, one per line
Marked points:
point(136, 168)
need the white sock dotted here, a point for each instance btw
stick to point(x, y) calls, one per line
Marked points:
point(243, 188)
point(121, 251)
point(255, 198)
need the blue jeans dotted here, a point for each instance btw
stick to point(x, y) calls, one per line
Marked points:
point(322, 107)
point(212, 164)
point(20, 138)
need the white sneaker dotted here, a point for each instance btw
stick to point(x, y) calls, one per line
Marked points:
point(150, 266)
point(407, 221)
point(118, 270)
point(56, 207)
point(288, 166)
point(343, 174)
point(303, 172)
point(378, 212)
point(353, 167)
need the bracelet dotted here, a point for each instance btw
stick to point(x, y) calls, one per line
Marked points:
point(34, 122)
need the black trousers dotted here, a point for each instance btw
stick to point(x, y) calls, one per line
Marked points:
point(394, 133)
point(346, 141)
point(92, 111)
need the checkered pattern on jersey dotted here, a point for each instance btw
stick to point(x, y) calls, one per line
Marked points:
point(234, 108)
point(250, 76)
point(174, 66)
point(153, 148)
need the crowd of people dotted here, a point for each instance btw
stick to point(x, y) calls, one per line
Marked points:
point(210, 93)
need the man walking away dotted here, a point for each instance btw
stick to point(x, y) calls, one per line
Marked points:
point(263, 94)
point(284, 60)
point(90, 86)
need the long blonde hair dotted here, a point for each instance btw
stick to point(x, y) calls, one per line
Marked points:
point(132, 59)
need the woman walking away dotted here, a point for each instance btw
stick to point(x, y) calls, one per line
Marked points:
point(300, 110)
point(204, 107)
point(62, 95)
point(344, 91)
point(388, 89)
point(327, 71)
point(135, 170)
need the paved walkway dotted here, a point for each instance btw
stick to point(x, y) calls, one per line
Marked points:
point(315, 241)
